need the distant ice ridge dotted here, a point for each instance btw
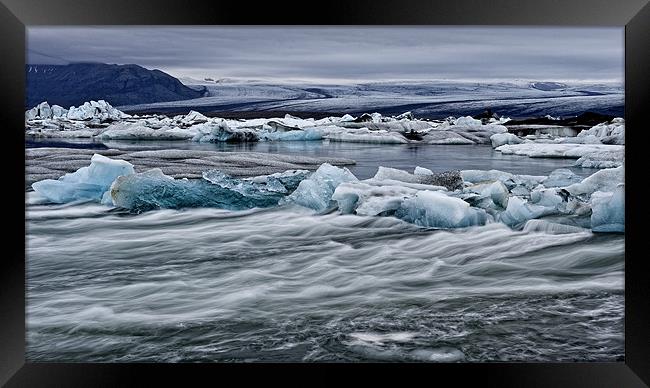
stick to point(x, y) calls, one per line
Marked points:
point(100, 120)
point(453, 199)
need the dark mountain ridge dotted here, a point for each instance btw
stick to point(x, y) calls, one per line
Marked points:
point(77, 83)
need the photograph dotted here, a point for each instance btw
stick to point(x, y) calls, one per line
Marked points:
point(324, 194)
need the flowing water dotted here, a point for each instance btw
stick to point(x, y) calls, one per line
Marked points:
point(283, 284)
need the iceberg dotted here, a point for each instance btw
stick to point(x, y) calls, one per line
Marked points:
point(520, 211)
point(496, 192)
point(499, 139)
point(422, 171)
point(364, 135)
point(367, 199)
point(87, 183)
point(608, 211)
point(607, 133)
point(604, 180)
point(451, 180)
point(154, 190)
point(554, 150)
point(40, 111)
point(219, 131)
point(316, 191)
point(445, 137)
point(124, 131)
point(59, 112)
point(293, 135)
point(561, 177)
point(601, 159)
point(99, 110)
point(510, 180)
point(434, 209)
point(283, 182)
point(468, 121)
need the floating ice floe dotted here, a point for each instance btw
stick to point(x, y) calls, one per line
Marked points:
point(87, 183)
point(316, 191)
point(601, 159)
point(453, 199)
point(99, 110)
point(499, 139)
point(604, 180)
point(154, 190)
point(364, 135)
point(121, 131)
point(607, 133)
point(561, 177)
point(549, 150)
point(437, 210)
point(94, 117)
point(608, 210)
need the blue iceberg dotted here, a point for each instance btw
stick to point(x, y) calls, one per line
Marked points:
point(154, 190)
point(87, 183)
point(316, 191)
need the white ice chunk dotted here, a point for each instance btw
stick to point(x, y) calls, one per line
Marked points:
point(307, 134)
point(607, 133)
point(508, 179)
point(496, 191)
point(89, 182)
point(601, 159)
point(550, 198)
point(553, 150)
point(422, 171)
point(316, 191)
point(135, 131)
point(468, 121)
point(561, 177)
point(384, 173)
point(365, 199)
point(364, 135)
point(194, 117)
point(445, 137)
point(499, 139)
point(100, 110)
point(603, 180)
point(40, 111)
point(59, 111)
point(608, 211)
point(437, 210)
point(519, 211)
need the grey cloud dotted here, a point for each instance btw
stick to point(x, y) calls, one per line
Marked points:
point(361, 53)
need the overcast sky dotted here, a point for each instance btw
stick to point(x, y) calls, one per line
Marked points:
point(341, 54)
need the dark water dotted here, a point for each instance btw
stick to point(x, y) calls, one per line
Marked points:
point(438, 158)
point(285, 285)
point(282, 284)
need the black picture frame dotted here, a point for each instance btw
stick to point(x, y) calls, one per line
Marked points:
point(15, 15)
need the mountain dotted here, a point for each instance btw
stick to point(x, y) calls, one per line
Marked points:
point(76, 83)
